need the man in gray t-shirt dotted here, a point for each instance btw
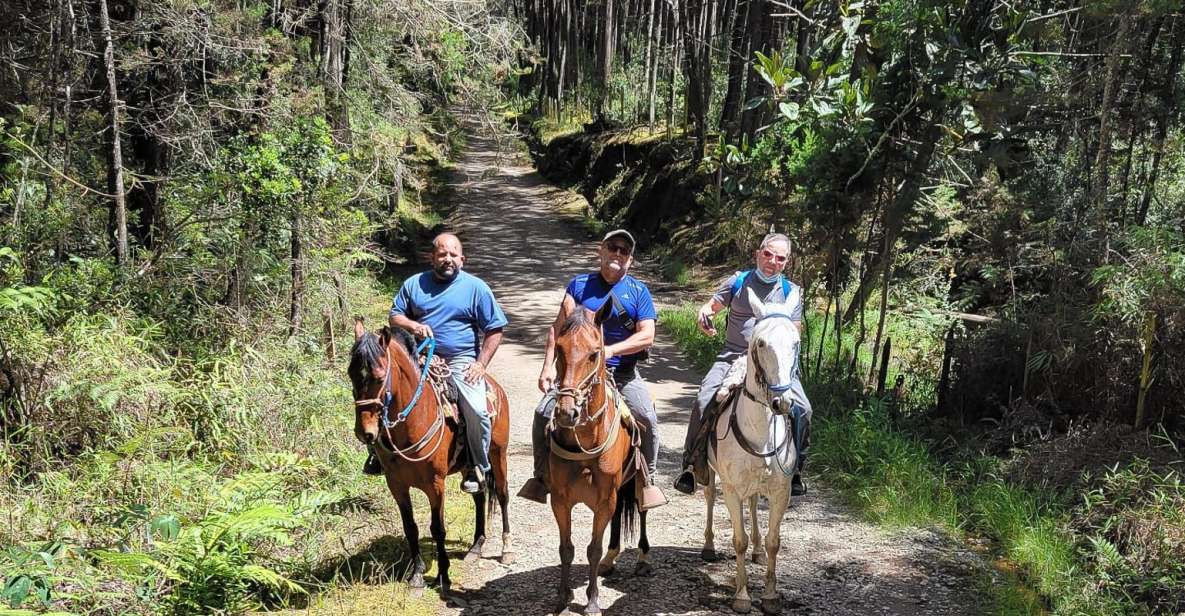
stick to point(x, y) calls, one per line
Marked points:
point(767, 282)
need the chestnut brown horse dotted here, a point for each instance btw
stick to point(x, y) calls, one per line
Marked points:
point(592, 457)
point(418, 448)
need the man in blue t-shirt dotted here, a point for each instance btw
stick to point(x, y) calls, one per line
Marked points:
point(459, 310)
point(628, 333)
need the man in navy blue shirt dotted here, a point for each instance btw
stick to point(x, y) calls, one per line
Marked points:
point(459, 310)
point(627, 334)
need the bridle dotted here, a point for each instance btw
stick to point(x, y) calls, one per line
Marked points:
point(770, 390)
point(386, 398)
point(580, 395)
point(582, 392)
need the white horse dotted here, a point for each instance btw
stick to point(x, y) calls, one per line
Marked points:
point(754, 452)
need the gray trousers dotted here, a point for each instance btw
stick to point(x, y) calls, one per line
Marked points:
point(637, 398)
point(707, 391)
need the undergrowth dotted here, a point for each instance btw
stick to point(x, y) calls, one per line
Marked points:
point(211, 474)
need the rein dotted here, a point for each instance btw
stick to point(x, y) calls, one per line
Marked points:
point(386, 398)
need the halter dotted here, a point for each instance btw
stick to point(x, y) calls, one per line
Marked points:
point(760, 372)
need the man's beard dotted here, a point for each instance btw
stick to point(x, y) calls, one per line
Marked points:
point(446, 271)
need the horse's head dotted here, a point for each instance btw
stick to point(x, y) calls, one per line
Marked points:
point(377, 362)
point(580, 364)
point(773, 350)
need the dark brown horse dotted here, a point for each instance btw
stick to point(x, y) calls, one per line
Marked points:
point(592, 455)
point(420, 450)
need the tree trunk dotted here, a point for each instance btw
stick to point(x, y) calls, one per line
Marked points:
point(297, 296)
point(1167, 96)
point(605, 59)
point(1106, 124)
point(119, 205)
point(738, 61)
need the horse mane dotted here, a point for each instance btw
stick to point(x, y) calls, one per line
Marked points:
point(578, 318)
point(365, 353)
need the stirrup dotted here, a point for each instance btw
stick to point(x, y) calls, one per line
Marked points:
point(797, 486)
point(685, 482)
point(534, 490)
point(372, 466)
point(652, 497)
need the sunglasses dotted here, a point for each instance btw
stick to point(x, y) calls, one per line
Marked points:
point(773, 257)
point(620, 249)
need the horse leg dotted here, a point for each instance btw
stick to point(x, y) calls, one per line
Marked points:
point(563, 521)
point(709, 554)
point(771, 599)
point(755, 534)
point(601, 517)
point(411, 533)
point(436, 502)
point(502, 490)
point(609, 563)
point(479, 529)
point(740, 544)
point(643, 568)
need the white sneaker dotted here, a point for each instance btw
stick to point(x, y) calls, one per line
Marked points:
point(474, 482)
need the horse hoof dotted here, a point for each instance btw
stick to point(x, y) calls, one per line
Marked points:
point(507, 558)
point(759, 558)
point(606, 570)
point(742, 606)
point(416, 581)
point(643, 569)
point(472, 555)
point(772, 605)
point(592, 608)
point(709, 556)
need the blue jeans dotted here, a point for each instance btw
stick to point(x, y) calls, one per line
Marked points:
point(472, 402)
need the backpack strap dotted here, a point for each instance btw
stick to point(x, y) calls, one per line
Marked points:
point(740, 283)
point(619, 309)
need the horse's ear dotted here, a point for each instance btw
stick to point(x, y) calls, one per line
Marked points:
point(603, 313)
point(359, 328)
point(755, 303)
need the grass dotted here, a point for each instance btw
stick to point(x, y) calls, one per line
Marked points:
point(1052, 558)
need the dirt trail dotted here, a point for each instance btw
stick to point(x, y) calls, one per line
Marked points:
point(831, 562)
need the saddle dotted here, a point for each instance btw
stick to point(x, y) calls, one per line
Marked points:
point(440, 377)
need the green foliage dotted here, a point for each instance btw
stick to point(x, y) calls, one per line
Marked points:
point(1151, 279)
point(680, 324)
point(212, 564)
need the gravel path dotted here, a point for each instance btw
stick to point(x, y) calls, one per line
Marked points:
point(831, 563)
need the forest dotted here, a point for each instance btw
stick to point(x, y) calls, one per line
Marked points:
point(986, 201)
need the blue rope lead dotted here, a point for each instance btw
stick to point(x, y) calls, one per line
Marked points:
point(431, 344)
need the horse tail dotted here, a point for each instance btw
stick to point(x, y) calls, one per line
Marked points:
point(627, 507)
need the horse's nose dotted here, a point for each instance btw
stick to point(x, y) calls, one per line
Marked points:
point(776, 405)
